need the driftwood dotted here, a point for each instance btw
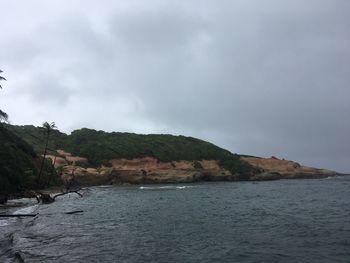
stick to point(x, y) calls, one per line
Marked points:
point(74, 212)
point(19, 215)
point(68, 192)
point(47, 198)
point(34, 215)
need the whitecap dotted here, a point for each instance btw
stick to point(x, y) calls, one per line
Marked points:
point(164, 187)
point(146, 188)
point(183, 187)
point(167, 187)
point(4, 223)
point(26, 210)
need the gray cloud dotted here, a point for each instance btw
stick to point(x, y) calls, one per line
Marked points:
point(264, 78)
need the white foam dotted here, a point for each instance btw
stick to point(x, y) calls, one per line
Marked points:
point(165, 187)
point(26, 210)
point(183, 187)
point(144, 187)
point(104, 186)
point(4, 223)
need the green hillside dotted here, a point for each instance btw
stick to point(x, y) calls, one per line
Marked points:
point(17, 162)
point(100, 146)
point(35, 136)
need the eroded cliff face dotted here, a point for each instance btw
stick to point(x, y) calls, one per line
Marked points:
point(140, 170)
point(151, 170)
point(65, 158)
point(274, 168)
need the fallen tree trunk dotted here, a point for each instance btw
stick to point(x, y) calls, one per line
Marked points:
point(74, 212)
point(68, 192)
point(39, 196)
point(19, 215)
point(48, 199)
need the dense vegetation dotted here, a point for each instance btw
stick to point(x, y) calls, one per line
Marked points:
point(3, 115)
point(17, 162)
point(36, 137)
point(100, 146)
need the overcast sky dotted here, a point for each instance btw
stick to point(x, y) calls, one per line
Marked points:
point(256, 77)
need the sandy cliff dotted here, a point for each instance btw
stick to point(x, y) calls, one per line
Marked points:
point(144, 170)
point(151, 170)
point(278, 169)
point(64, 158)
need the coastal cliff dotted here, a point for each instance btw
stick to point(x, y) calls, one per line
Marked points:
point(150, 170)
point(90, 157)
point(140, 170)
point(275, 168)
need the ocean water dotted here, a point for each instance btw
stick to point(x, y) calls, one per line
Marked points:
point(274, 221)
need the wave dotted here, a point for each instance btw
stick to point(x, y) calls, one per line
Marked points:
point(337, 177)
point(4, 222)
point(26, 210)
point(104, 186)
point(165, 187)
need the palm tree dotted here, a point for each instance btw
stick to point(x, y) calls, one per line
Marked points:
point(3, 115)
point(1, 77)
point(48, 127)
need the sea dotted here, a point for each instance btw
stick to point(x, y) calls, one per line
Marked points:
point(270, 221)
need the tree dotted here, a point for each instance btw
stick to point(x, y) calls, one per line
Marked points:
point(48, 127)
point(3, 115)
point(1, 77)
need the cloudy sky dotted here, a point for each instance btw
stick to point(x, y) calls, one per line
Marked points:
point(256, 77)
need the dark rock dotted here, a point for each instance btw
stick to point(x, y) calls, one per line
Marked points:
point(46, 198)
point(3, 199)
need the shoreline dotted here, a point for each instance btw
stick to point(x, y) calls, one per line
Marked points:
point(58, 189)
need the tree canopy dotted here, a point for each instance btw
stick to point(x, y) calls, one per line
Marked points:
point(1, 78)
point(3, 115)
point(99, 147)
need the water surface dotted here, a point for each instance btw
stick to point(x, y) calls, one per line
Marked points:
point(275, 221)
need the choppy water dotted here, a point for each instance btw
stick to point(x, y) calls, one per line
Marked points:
point(276, 221)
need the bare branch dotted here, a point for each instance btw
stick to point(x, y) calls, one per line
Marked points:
point(68, 192)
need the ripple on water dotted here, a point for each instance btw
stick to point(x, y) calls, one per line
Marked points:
point(280, 221)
